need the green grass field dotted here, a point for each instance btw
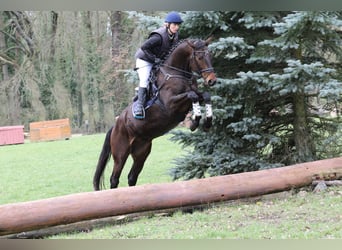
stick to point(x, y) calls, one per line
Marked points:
point(40, 170)
point(34, 171)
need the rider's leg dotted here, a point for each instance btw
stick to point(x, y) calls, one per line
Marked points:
point(143, 69)
point(138, 108)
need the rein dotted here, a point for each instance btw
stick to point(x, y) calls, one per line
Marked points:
point(176, 69)
point(167, 76)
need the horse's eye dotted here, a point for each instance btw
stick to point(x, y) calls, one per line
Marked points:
point(200, 56)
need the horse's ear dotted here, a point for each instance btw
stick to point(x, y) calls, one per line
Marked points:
point(209, 40)
point(191, 43)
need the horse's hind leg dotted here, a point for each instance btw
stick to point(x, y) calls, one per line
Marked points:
point(120, 151)
point(140, 151)
point(119, 163)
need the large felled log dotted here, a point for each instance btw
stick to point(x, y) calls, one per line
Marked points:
point(33, 215)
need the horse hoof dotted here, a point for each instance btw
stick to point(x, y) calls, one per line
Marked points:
point(193, 128)
point(207, 124)
point(206, 129)
point(194, 125)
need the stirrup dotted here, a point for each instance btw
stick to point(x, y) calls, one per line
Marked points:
point(139, 116)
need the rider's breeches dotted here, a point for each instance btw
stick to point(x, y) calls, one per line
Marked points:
point(143, 69)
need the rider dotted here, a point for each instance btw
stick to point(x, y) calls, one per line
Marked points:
point(151, 52)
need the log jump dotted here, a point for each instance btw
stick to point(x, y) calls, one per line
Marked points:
point(32, 215)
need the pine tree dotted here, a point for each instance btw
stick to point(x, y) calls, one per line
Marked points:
point(277, 76)
point(306, 43)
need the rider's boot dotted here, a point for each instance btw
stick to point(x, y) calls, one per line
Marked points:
point(138, 108)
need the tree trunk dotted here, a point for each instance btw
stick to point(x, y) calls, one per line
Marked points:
point(71, 208)
point(79, 96)
point(3, 61)
point(11, 87)
point(115, 25)
point(86, 18)
point(54, 20)
point(5, 75)
point(304, 146)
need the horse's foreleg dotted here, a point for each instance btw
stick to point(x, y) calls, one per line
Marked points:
point(208, 112)
point(182, 101)
point(140, 152)
point(197, 115)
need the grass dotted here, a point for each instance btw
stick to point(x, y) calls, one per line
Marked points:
point(34, 171)
point(304, 215)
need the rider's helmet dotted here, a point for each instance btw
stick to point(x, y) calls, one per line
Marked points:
point(173, 17)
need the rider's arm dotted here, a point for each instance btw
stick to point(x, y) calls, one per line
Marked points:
point(148, 45)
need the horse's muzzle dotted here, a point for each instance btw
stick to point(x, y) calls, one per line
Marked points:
point(211, 79)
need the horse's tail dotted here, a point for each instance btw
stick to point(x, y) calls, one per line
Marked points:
point(102, 162)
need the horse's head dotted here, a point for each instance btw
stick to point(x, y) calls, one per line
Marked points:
point(200, 61)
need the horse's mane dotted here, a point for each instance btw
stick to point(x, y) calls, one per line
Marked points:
point(172, 49)
point(197, 42)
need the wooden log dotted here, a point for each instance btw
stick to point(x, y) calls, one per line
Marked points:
point(328, 183)
point(88, 225)
point(85, 226)
point(25, 216)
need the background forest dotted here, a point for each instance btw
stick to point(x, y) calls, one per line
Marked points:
point(66, 65)
point(278, 101)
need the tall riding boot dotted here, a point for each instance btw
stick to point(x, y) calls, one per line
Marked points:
point(138, 107)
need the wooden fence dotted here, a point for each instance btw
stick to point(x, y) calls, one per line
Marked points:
point(11, 135)
point(50, 130)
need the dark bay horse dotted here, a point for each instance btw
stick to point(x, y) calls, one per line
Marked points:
point(177, 90)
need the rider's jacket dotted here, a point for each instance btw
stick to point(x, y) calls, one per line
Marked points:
point(157, 45)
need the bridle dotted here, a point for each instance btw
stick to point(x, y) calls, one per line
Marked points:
point(191, 75)
point(187, 76)
point(205, 56)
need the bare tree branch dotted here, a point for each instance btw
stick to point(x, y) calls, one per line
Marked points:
point(24, 29)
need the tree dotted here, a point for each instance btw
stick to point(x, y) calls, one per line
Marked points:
point(45, 66)
point(16, 48)
point(120, 89)
point(58, 64)
point(92, 63)
point(277, 77)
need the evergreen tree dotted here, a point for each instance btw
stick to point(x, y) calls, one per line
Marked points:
point(278, 86)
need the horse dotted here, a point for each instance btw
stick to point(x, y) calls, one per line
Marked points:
point(176, 92)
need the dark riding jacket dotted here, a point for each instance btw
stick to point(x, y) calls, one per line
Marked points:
point(157, 45)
